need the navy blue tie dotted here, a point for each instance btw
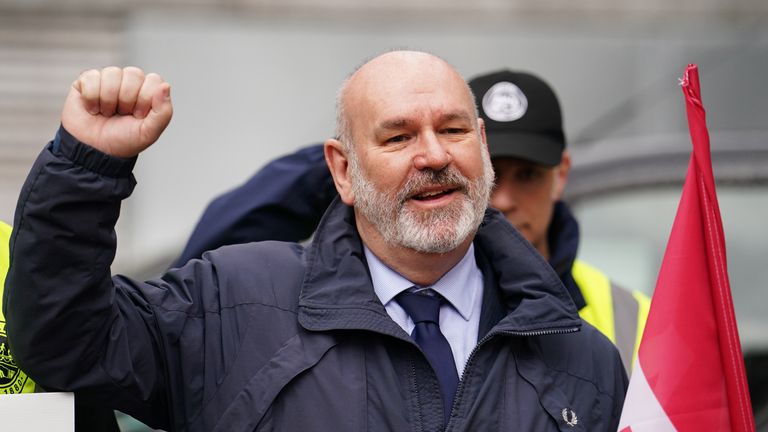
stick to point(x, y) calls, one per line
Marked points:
point(424, 310)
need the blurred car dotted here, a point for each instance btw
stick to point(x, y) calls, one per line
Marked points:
point(625, 194)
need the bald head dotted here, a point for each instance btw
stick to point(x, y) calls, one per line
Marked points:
point(378, 83)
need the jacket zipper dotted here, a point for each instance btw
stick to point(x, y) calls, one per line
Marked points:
point(487, 337)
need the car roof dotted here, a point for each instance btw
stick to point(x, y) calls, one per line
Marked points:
point(600, 167)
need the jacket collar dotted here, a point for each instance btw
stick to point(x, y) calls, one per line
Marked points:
point(337, 292)
point(563, 238)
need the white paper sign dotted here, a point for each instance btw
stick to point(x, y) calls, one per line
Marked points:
point(38, 412)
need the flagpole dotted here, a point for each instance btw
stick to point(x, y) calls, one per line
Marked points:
point(730, 348)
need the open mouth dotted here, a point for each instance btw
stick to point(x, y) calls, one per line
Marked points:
point(433, 195)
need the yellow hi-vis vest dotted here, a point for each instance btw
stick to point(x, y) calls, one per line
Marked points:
point(615, 311)
point(12, 379)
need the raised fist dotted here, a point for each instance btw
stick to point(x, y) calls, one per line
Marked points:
point(120, 112)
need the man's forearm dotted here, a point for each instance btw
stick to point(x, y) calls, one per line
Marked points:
point(59, 288)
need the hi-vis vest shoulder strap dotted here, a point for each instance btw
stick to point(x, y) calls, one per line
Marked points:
point(5, 238)
point(616, 312)
point(12, 379)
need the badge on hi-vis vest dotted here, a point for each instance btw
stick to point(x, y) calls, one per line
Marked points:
point(12, 379)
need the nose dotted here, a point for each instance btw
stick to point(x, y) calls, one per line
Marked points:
point(432, 154)
point(503, 199)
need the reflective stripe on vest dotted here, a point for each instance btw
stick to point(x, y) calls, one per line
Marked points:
point(616, 312)
point(12, 379)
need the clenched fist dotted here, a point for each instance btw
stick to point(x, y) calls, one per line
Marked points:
point(120, 112)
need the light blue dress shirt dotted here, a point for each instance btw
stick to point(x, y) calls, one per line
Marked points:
point(462, 287)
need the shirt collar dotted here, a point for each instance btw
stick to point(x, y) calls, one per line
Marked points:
point(455, 286)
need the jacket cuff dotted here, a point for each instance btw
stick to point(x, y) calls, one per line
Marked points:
point(89, 157)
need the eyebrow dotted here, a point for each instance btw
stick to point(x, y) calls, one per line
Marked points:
point(401, 122)
point(397, 123)
point(456, 115)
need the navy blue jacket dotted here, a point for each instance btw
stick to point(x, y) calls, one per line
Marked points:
point(278, 336)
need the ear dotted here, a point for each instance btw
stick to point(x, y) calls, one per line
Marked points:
point(561, 175)
point(338, 164)
point(481, 126)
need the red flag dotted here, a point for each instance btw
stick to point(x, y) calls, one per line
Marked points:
point(689, 374)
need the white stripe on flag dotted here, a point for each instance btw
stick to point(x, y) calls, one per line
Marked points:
point(644, 413)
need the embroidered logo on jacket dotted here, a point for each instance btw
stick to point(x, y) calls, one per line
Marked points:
point(12, 379)
point(570, 417)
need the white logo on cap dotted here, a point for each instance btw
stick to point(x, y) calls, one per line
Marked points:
point(504, 102)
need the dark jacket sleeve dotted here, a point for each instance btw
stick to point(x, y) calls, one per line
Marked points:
point(73, 327)
point(283, 201)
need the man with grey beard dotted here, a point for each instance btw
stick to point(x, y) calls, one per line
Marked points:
point(413, 308)
point(398, 224)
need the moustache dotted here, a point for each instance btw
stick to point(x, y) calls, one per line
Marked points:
point(449, 178)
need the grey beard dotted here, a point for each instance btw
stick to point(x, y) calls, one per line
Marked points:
point(434, 231)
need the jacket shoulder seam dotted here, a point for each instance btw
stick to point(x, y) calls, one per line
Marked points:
point(581, 378)
point(217, 311)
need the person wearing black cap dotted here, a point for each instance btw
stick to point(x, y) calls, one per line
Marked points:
point(286, 199)
point(524, 130)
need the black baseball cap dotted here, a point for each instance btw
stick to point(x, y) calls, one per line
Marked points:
point(522, 116)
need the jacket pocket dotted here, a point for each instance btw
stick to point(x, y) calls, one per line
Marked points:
point(250, 407)
point(560, 394)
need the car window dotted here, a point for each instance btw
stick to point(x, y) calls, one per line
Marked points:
point(625, 234)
